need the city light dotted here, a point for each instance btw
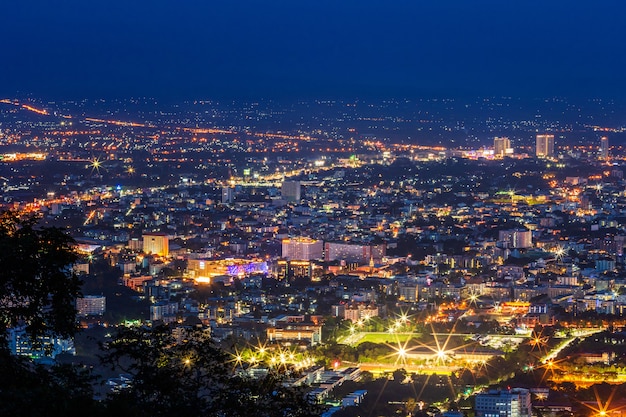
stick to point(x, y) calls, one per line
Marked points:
point(390, 209)
point(482, 267)
point(604, 407)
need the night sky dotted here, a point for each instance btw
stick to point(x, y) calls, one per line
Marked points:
point(187, 49)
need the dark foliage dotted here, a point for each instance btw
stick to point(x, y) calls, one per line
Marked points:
point(184, 373)
point(37, 390)
point(37, 285)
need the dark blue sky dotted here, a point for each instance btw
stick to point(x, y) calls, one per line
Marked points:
point(304, 48)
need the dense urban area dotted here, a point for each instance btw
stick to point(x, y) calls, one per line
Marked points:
point(402, 257)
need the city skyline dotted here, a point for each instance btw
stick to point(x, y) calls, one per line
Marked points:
point(313, 208)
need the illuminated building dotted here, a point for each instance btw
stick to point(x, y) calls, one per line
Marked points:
point(515, 239)
point(290, 191)
point(203, 270)
point(604, 148)
point(135, 244)
point(156, 244)
point(353, 252)
point(294, 269)
point(81, 268)
point(295, 331)
point(91, 305)
point(544, 146)
point(360, 311)
point(135, 283)
point(302, 249)
point(500, 147)
point(513, 272)
point(220, 311)
point(408, 292)
point(510, 403)
point(164, 311)
point(47, 346)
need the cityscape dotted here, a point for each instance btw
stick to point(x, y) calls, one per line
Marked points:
point(380, 274)
point(300, 209)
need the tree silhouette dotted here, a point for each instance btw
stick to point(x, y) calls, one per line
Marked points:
point(38, 288)
point(181, 372)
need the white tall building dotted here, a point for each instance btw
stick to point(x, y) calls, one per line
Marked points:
point(500, 147)
point(544, 146)
point(156, 244)
point(302, 249)
point(604, 148)
point(509, 403)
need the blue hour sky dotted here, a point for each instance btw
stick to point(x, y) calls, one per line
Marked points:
point(302, 48)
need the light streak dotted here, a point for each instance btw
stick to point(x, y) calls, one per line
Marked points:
point(35, 110)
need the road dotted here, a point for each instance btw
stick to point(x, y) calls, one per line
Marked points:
point(575, 335)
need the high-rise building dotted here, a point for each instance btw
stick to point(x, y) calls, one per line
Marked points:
point(510, 403)
point(604, 148)
point(163, 310)
point(302, 249)
point(156, 244)
point(516, 239)
point(545, 146)
point(228, 195)
point(91, 305)
point(291, 191)
point(294, 269)
point(360, 253)
point(46, 346)
point(500, 146)
point(135, 244)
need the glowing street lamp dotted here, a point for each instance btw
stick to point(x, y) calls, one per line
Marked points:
point(95, 165)
point(261, 349)
point(441, 355)
point(559, 252)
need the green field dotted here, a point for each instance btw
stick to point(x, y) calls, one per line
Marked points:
point(377, 337)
